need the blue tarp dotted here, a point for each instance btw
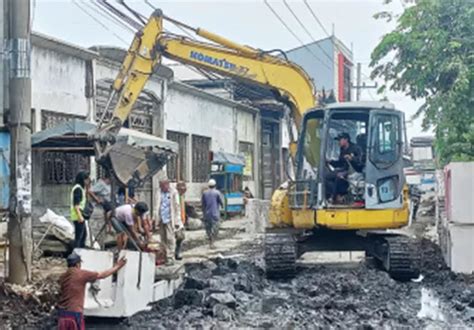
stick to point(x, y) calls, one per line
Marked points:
point(228, 158)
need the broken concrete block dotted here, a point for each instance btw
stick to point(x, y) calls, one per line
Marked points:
point(457, 247)
point(169, 272)
point(256, 213)
point(222, 298)
point(459, 199)
point(194, 224)
point(223, 313)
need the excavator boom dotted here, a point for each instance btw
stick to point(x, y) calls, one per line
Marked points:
point(289, 82)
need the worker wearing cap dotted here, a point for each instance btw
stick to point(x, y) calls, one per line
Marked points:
point(349, 156)
point(211, 200)
point(72, 291)
point(168, 217)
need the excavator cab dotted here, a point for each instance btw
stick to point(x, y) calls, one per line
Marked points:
point(371, 182)
point(372, 179)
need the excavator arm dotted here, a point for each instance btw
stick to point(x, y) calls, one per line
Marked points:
point(291, 84)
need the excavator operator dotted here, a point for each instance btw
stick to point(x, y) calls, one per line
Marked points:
point(350, 155)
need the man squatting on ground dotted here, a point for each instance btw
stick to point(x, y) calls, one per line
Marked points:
point(127, 220)
point(168, 218)
point(72, 291)
point(210, 201)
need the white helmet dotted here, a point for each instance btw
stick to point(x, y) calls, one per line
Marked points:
point(211, 183)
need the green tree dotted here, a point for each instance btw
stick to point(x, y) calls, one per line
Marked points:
point(430, 56)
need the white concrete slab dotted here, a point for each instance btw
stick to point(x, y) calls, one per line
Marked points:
point(165, 288)
point(131, 293)
point(256, 213)
point(457, 245)
point(459, 188)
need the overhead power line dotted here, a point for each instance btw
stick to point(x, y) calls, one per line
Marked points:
point(105, 14)
point(98, 22)
point(318, 21)
point(316, 18)
point(294, 34)
point(177, 25)
point(124, 17)
point(306, 30)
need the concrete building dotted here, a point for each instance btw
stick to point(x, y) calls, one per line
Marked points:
point(72, 82)
point(329, 63)
point(62, 89)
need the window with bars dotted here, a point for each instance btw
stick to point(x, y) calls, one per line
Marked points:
point(246, 149)
point(60, 167)
point(201, 146)
point(176, 166)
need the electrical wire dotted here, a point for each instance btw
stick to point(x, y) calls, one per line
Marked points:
point(177, 25)
point(142, 19)
point(306, 30)
point(98, 21)
point(136, 25)
point(294, 34)
point(106, 14)
point(316, 17)
point(318, 21)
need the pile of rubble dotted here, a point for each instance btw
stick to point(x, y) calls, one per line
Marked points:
point(231, 293)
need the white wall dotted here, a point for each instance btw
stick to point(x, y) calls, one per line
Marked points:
point(188, 113)
point(106, 71)
point(58, 82)
point(197, 113)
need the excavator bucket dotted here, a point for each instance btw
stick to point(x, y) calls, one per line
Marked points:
point(131, 166)
point(136, 157)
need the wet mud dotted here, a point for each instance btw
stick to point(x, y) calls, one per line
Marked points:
point(228, 293)
point(232, 292)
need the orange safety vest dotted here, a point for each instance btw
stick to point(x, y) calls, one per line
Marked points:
point(182, 206)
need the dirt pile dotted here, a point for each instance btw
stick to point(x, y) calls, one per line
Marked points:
point(228, 293)
point(25, 305)
point(30, 306)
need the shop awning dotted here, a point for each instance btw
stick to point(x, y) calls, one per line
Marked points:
point(73, 136)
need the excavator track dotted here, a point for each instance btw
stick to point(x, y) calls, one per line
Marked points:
point(280, 255)
point(399, 257)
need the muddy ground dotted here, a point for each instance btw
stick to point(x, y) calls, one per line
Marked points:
point(230, 293)
point(233, 292)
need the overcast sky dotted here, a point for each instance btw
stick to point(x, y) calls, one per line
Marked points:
point(247, 22)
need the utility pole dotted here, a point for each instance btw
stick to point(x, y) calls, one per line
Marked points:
point(19, 225)
point(359, 78)
point(360, 85)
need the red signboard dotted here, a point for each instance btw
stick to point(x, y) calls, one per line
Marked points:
point(340, 77)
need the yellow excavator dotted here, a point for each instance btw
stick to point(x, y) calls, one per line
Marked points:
point(303, 215)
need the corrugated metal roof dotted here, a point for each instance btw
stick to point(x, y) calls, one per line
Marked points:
point(228, 158)
point(82, 130)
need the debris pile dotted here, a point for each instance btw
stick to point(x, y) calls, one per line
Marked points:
point(231, 293)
